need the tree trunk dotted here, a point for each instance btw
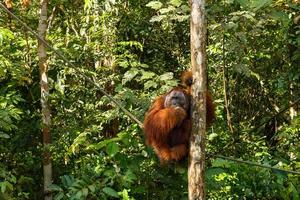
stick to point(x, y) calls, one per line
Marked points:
point(197, 140)
point(46, 120)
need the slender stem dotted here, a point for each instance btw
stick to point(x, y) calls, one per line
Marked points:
point(228, 114)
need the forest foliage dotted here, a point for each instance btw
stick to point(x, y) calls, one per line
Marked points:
point(136, 50)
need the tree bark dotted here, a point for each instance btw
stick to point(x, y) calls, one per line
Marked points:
point(46, 119)
point(198, 111)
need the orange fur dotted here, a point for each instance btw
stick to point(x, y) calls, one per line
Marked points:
point(168, 129)
point(168, 154)
point(161, 124)
point(187, 81)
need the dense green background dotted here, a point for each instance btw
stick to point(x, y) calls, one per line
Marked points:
point(137, 49)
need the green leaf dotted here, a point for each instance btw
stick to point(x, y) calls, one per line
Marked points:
point(78, 195)
point(212, 136)
point(166, 76)
point(220, 163)
point(158, 18)
point(102, 144)
point(85, 192)
point(258, 4)
point(129, 75)
point(4, 135)
point(9, 186)
point(123, 64)
point(59, 196)
point(3, 104)
point(176, 3)
point(210, 172)
point(254, 4)
point(298, 41)
point(147, 75)
point(112, 148)
point(180, 18)
point(294, 191)
point(150, 84)
point(6, 186)
point(244, 3)
point(111, 192)
point(156, 5)
point(92, 188)
point(282, 17)
point(5, 34)
point(3, 187)
point(67, 180)
point(87, 4)
point(54, 187)
point(130, 176)
point(124, 194)
point(166, 10)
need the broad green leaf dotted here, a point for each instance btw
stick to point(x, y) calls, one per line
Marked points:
point(176, 3)
point(180, 18)
point(92, 188)
point(147, 75)
point(124, 195)
point(112, 148)
point(166, 10)
point(59, 196)
point(130, 176)
point(9, 186)
point(67, 180)
point(254, 4)
point(258, 4)
point(54, 187)
point(123, 64)
point(104, 143)
point(157, 18)
point(85, 192)
point(78, 195)
point(3, 186)
point(111, 192)
point(129, 75)
point(150, 84)
point(212, 136)
point(4, 135)
point(298, 42)
point(166, 76)
point(249, 16)
point(244, 3)
point(154, 5)
point(5, 34)
point(3, 104)
point(293, 190)
point(87, 4)
point(231, 25)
